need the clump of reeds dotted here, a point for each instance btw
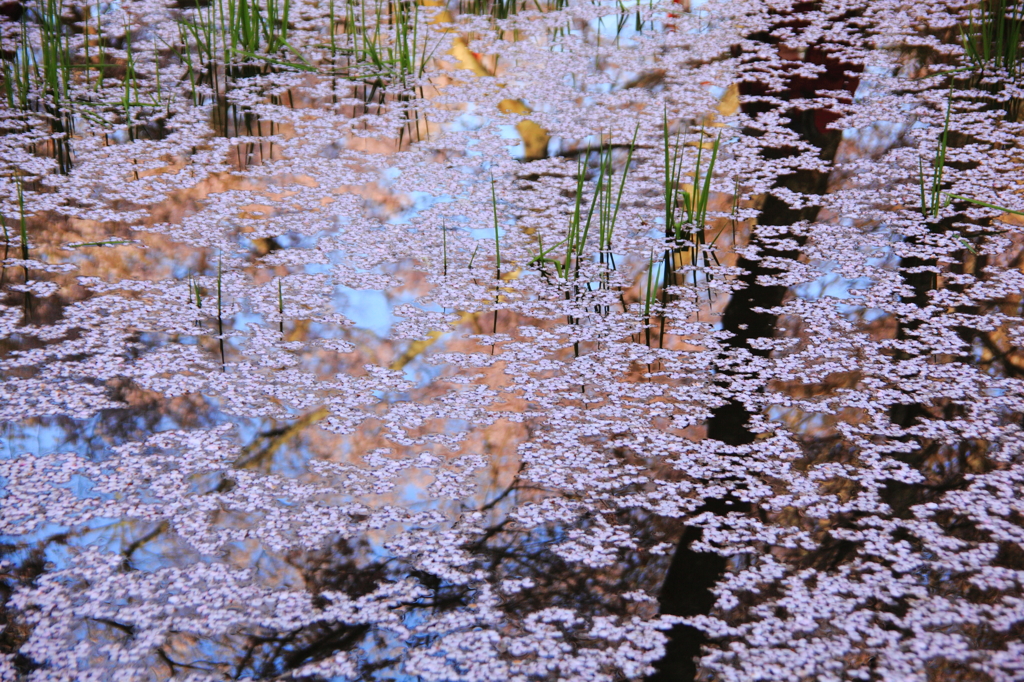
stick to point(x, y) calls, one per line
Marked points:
point(650, 296)
point(605, 204)
point(931, 187)
point(993, 34)
point(498, 9)
point(37, 80)
point(686, 211)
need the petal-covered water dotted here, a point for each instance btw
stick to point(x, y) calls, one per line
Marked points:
point(510, 341)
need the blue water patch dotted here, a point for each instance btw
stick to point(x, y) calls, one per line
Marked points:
point(369, 309)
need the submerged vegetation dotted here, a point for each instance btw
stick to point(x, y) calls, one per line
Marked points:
point(713, 372)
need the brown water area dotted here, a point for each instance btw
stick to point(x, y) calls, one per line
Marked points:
point(503, 340)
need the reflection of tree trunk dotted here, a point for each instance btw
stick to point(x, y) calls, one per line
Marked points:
point(919, 274)
point(691, 576)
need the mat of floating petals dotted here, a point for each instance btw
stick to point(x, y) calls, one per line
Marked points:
point(512, 340)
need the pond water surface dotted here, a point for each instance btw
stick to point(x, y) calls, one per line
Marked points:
point(354, 340)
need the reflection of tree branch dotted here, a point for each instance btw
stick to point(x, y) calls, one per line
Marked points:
point(490, 505)
point(130, 549)
point(491, 532)
point(172, 664)
point(250, 650)
point(419, 346)
point(253, 457)
point(63, 537)
point(123, 627)
point(513, 486)
point(339, 638)
point(1012, 364)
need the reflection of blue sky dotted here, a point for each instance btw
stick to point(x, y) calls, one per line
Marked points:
point(487, 232)
point(100, 532)
point(37, 439)
point(876, 138)
point(468, 121)
point(421, 201)
point(94, 437)
point(830, 284)
point(834, 285)
point(370, 309)
point(242, 320)
point(367, 308)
